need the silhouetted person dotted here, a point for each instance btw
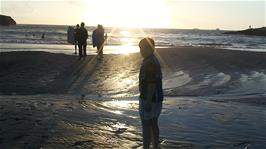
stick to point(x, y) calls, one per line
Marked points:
point(82, 35)
point(98, 39)
point(43, 34)
point(151, 93)
point(75, 38)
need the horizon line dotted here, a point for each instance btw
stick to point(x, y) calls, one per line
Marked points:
point(169, 28)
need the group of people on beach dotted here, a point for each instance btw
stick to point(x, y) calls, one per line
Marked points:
point(150, 81)
point(81, 36)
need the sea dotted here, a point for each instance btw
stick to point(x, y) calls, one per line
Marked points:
point(29, 37)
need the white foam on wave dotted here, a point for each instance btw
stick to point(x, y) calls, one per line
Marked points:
point(214, 80)
point(176, 79)
point(254, 82)
point(220, 79)
point(65, 48)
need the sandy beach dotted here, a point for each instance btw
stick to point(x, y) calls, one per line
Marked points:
point(214, 99)
point(56, 93)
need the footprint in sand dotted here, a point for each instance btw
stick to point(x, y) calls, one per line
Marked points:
point(19, 137)
point(120, 130)
point(3, 119)
point(18, 104)
point(243, 144)
point(79, 143)
point(38, 122)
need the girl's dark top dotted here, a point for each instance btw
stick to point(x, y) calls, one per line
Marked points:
point(150, 72)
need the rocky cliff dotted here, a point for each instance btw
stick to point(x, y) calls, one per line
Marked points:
point(6, 20)
point(252, 31)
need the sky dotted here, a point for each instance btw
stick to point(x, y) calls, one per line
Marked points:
point(182, 14)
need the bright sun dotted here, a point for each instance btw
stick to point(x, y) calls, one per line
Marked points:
point(128, 13)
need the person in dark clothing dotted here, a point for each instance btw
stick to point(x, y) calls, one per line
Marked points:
point(76, 38)
point(82, 36)
point(98, 39)
point(151, 93)
point(43, 34)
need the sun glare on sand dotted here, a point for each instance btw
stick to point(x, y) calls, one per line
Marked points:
point(128, 13)
point(127, 43)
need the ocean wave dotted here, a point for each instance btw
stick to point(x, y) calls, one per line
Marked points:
point(253, 82)
point(176, 79)
point(31, 34)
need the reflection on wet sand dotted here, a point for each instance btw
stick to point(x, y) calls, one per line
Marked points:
point(200, 122)
point(68, 122)
point(114, 76)
point(122, 107)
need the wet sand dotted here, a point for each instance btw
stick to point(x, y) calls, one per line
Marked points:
point(33, 72)
point(27, 73)
point(41, 103)
point(65, 121)
point(187, 71)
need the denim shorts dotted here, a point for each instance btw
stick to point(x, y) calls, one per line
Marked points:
point(154, 113)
